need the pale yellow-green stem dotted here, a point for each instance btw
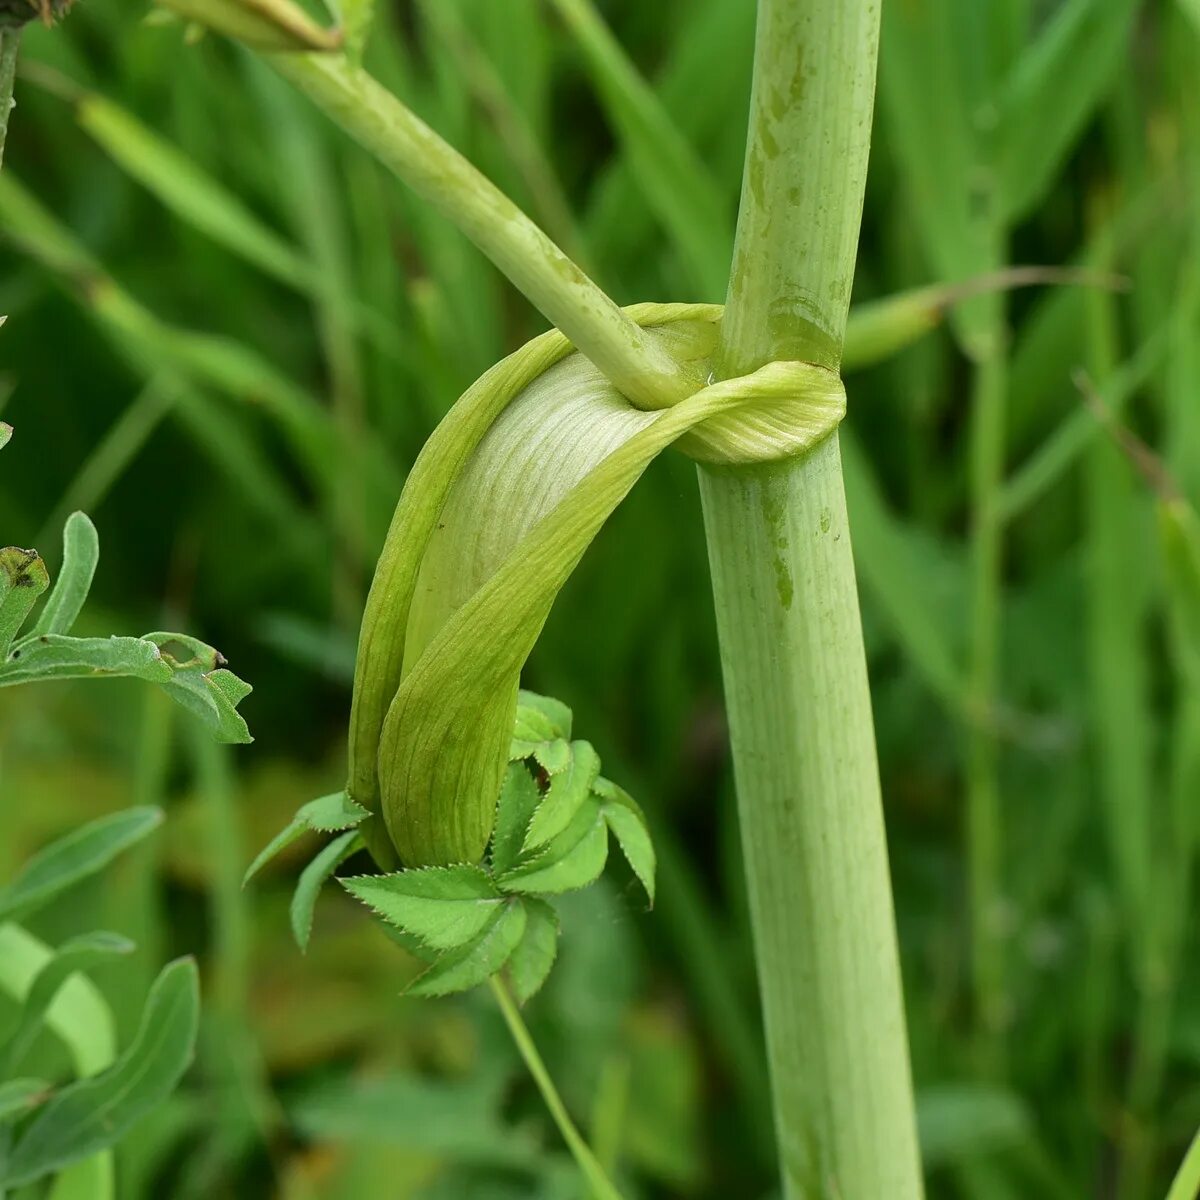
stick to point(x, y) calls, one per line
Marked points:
point(791, 639)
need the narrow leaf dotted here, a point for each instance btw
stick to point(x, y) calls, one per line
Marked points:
point(531, 961)
point(81, 552)
point(572, 860)
point(57, 656)
point(23, 578)
point(313, 878)
point(78, 954)
point(443, 906)
point(628, 824)
point(327, 814)
point(478, 960)
point(568, 790)
point(961, 1121)
point(519, 797)
point(1054, 88)
point(93, 1114)
point(74, 857)
point(674, 179)
point(189, 192)
point(18, 1096)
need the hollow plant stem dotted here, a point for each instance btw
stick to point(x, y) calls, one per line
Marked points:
point(10, 41)
point(791, 638)
point(602, 1187)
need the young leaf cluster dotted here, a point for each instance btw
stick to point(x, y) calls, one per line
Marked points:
point(468, 922)
point(45, 1128)
point(191, 672)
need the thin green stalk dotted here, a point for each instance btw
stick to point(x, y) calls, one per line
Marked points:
point(598, 1181)
point(791, 638)
point(640, 368)
point(984, 835)
point(10, 41)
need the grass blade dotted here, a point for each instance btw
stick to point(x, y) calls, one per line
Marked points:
point(92, 1114)
point(81, 552)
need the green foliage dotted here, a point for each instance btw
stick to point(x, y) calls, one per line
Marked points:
point(209, 493)
point(470, 922)
point(92, 1114)
point(76, 954)
point(327, 814)
point(75, 857)
point(68, 1131)
point(190, 671)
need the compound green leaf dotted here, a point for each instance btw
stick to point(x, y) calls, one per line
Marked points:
point(534, 955)
point(572, 860)
point(326, 814)
point(568, 790)
point(479, 959)
point(541, 732)
point(628, 824)
point(542, 718)
point(313, 878)
point(74, 857)
point(94, 1113)
point(519, 798)
point(444, 906)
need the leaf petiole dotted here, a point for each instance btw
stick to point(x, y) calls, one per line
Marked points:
point(602, 1187)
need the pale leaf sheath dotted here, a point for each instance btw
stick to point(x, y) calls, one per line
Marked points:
point(442, 752)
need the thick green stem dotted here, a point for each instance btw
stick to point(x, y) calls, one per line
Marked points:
point(639, 367)
point(791, 638)
point(10, 40)
point(593, 1172)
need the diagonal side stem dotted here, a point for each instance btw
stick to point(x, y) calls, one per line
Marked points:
point(601, 1186)
point(568, 297)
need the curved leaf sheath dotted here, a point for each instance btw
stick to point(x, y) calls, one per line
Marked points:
point(490, 526)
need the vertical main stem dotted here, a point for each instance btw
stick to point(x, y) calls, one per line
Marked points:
point(791, 637)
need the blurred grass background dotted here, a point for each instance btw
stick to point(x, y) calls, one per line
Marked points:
point(229, 334)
